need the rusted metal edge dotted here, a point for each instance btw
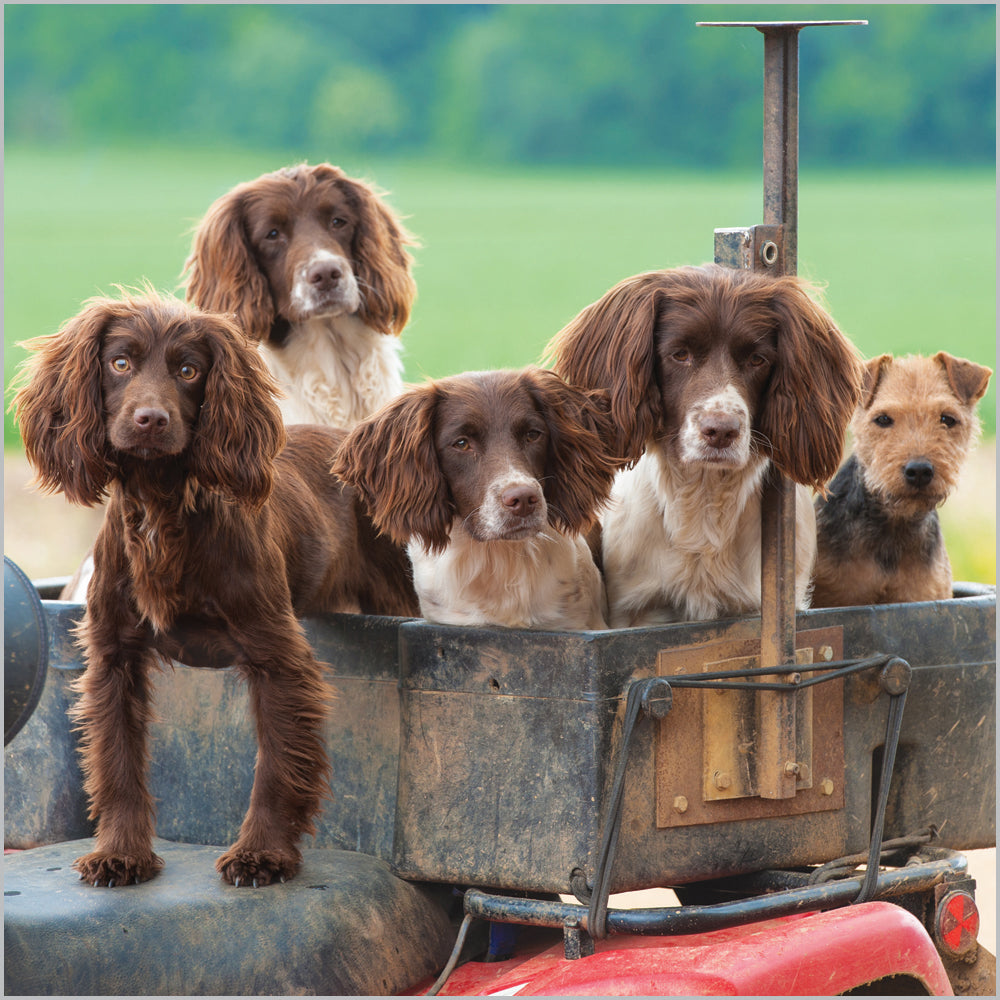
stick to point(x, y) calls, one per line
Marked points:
point(715, 916)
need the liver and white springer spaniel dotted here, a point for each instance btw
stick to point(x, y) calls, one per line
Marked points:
point(313, 265)
point(491, 478)
point(714, 375)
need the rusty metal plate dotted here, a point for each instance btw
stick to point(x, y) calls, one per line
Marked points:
point(706, 769)
point(749, 248)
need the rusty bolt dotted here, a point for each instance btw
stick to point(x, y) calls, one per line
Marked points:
point(722, 780)
point(658, 698)
point(895, 676)
point(769, 253)
point(680, 804)
point(826, 787)
point(791, 768)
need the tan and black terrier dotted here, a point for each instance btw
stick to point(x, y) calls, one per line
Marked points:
point(879, 538)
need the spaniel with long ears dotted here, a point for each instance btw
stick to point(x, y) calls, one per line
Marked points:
point(490, 478)
point(222, 529)
point(713, 375)
point(62, 402)
point(312, 264)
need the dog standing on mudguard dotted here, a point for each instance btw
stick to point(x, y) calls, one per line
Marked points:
point(879, 538)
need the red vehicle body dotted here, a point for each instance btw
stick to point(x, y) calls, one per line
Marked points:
point(812, 954)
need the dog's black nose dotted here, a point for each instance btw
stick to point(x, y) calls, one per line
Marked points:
point(151, 418)
point(520, 500)
point(918, 473)
point(719, 430)
point(324, 274)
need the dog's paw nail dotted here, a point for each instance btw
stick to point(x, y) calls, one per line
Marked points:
point(283, 879)
point(236, 883)
point(97, 882)
point(111, 883)
point(255, 884)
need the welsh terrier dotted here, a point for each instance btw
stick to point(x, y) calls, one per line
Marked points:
point(879, 538)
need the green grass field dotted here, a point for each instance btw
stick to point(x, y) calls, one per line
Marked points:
point(907, 260)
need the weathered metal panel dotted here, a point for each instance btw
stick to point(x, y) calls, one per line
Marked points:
point(203, 746)
point(503, 743)
point(510, 738)
point(43, 793)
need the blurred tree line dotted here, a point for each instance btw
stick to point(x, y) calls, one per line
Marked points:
point(602, 84)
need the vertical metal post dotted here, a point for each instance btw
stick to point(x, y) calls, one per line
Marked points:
point(777, 723)
point(776, 737)
point(781, 138)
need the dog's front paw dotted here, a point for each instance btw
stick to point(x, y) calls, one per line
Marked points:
point(101, 868)
point(242, 867)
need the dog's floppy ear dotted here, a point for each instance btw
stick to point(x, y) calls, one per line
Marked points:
point(580, 468)
point(380, 260)
point(967, 379)
point(391, 460)
point(239, 431)
point(611, 345)
point(814, 388)
point(221, 272)
point(60, 409)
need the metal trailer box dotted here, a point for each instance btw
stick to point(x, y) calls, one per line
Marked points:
point(203, 745)
point(509, 740)
point(485, 756)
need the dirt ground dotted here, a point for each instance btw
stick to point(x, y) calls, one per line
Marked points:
point(48, 537)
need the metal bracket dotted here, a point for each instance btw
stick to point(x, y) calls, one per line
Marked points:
point(738, 751)
point(577, 943)
point(751, 248)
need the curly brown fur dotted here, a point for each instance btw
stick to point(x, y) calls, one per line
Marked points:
point(222, 528)
point(879, 537)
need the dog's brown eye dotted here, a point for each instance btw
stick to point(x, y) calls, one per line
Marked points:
point(756, 360)
point(883, 420)
point(948, 420)
point(532, 436)
point(188, 372)
point(461, 444)
point(121, 365)
point(338, 223)
point(681, 356)
point(272, 234)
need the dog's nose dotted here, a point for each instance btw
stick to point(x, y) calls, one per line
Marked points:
point(719, 430)
point(520, 500)
point(151, 418)
point(918, 473)
point(324, 274)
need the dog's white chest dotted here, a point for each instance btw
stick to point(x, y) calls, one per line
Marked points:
point(335, 372)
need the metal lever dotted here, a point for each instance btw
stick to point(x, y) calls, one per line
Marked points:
point(773, 247)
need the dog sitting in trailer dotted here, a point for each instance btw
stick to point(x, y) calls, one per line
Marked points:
point(715, 375)
point(879, 536)
point(490, 479)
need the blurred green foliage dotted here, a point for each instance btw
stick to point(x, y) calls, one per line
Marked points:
point(608, 84)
